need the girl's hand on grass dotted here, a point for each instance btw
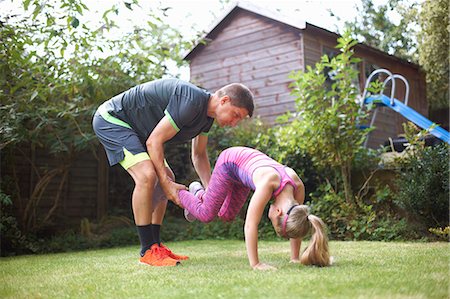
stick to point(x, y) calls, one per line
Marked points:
point(263, 267)
point(294, 261)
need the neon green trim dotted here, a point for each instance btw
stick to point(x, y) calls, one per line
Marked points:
point(109, 118)
point(131, 160)
point(171, 121)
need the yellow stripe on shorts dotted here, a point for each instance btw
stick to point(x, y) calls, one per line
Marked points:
point(131, 159)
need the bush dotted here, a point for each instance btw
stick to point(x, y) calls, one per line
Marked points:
point(423, 185)
point(371, 219)
point(442, 234)
point(13, 241)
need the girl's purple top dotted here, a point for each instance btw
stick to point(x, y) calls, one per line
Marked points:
point(246, 160)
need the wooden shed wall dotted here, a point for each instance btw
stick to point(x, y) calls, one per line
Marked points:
point(387, 122)
point(257, 52)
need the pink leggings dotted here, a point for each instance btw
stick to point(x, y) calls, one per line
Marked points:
point(225, 196)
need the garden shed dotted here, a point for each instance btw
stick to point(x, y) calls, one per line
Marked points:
point(259, 48)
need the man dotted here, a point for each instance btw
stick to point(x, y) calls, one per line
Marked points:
point(133, 127)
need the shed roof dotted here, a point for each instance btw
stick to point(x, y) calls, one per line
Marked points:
point(277, 17)
point(243, 5)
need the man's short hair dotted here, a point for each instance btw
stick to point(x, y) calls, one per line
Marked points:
point(240, 96)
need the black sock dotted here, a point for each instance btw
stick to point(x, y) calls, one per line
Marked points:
point(145, 237)
point(156, 228)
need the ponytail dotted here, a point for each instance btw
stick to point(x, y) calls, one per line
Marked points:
point(317, 251)
point(297, 224)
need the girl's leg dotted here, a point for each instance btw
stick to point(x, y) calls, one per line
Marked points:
point(206, 208)
point(236, 197)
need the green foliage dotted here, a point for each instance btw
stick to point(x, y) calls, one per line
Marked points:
point(55, 70)
point(375, 26)
point(433, 51)
point(443, 234)
point(420, 35)
point(423, 185)
point(74, 241)
point(216, 229)
point(327, 119)
point(13, 241)
point(372, 219)
point(54, 74)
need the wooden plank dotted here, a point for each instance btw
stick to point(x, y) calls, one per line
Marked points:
point(312, 50)
point(251, 55)
point(274, 99)
point(249, 64)
point(278, 107)
point(208, 55)
point(276, 110)
point(102, 183)
point(212, 81)
point(240, 19)
point(235, 30)
point(285, 63)
point(252, 83)
point(249, 38)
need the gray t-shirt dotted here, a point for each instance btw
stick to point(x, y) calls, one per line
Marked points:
point(143, 106)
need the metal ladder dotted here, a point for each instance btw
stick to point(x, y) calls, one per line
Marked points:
point(391, 77)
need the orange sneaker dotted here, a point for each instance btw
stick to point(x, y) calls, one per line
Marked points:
point(158, 257)
point(173, 255)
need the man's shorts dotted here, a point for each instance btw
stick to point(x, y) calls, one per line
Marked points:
point(122, 144)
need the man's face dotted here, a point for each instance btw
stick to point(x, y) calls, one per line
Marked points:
point(228, 114)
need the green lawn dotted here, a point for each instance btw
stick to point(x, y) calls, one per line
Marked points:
point(219, 269)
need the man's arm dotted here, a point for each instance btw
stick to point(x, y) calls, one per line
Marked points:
point(200, 159)
point(254, 213)
point(163, 132)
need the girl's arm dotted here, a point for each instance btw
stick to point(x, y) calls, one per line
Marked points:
point(299, 196)
point(295, 250)
point(255, 210)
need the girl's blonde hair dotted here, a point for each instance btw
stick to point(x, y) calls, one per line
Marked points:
point(297, 225)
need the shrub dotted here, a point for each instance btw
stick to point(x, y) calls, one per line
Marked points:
point(13, 241)
point(371, 219)
point(443, 234)
point(423, 185)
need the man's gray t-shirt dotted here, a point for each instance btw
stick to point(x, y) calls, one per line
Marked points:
point(143, 106)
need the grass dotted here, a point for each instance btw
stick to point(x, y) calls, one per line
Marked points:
point(219, 269)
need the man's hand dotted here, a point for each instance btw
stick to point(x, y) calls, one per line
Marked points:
point(263, 267)
point(171, 190)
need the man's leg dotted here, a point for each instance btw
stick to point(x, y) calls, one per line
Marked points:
point(160, 202)
point(122, 145)
point(144, 177)
point(159, 210)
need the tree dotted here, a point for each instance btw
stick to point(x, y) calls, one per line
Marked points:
point(54, 71)
point(374, 27)
point(434, 51)
point(328, 114)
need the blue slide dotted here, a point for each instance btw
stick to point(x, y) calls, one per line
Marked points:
point(410, 114)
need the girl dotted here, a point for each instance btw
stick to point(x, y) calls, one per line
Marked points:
point(239, 170)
